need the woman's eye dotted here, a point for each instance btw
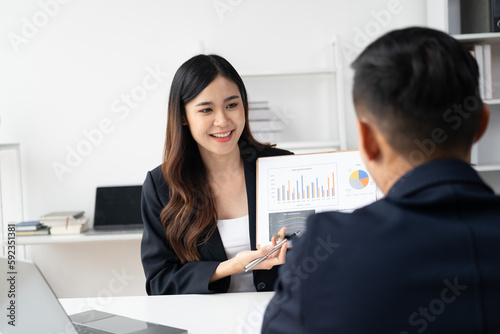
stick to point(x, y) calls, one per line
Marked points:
point(232, 105)
point(206, 110)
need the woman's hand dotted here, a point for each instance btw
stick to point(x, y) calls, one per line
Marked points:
point(237, 263)
point(278, 257)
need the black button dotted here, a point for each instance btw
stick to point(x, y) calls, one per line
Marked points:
point(261, 286)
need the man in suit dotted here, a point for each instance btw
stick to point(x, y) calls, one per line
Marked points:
point(426, 257)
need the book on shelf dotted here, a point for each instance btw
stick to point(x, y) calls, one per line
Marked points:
point(258, 105)
point(31, 225)
point(272, 125)
point(477, 16)
point(267, 137)
point(265, 125)
point(482, 54)
point(44, 230)
point(70, 228)
point(62, 215)
point(259, 111)
point(488, 73)
point(65, 222)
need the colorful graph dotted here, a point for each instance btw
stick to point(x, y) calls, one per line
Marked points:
point(298, 190)
point(299, 186)
point(359, 179)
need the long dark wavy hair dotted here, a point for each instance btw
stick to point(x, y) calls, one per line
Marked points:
point(190, 217)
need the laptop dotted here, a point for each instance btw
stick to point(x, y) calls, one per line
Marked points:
point(30, 306)
point(118, 208)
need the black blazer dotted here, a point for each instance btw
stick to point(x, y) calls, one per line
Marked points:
point(164, 272)
point(425, 259)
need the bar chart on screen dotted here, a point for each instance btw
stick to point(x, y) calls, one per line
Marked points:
point(302, 186)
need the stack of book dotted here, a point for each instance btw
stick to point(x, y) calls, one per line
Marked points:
point(264, 124)
point(482, 53)
point(33, 227)
point(66, 222)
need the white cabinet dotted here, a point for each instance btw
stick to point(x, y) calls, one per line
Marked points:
point(308, 102)
point(445, 15)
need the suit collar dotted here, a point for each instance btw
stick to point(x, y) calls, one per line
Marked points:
point(434, 173)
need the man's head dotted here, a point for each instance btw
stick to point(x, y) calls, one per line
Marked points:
point(417, 88)
point(417, 80)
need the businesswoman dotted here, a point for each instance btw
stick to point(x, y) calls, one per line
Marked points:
point(199, 205)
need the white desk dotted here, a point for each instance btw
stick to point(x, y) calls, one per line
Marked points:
point(225, 313)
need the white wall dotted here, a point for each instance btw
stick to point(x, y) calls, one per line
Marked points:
point(67, 73)
point(72, 74)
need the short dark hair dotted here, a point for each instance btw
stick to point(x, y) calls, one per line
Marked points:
point(416, 81)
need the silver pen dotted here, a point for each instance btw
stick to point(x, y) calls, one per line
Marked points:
point(275, 248)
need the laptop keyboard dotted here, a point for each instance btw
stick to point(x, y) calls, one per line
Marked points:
point(81, 329)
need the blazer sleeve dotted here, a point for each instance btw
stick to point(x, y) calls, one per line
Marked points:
point(165, 274)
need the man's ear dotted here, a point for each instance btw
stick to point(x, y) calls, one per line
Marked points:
point(485, 118)
point(368, 141)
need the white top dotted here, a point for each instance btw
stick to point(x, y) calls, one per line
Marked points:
point(235, 238)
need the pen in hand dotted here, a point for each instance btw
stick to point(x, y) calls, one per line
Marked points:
point(275, 248)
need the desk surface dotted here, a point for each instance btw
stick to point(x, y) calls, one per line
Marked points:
point(225, 313)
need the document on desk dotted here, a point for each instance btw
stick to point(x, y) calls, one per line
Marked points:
point(291, 188)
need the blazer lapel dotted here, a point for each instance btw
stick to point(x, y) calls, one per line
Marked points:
point(250, 181)
point(213, 248)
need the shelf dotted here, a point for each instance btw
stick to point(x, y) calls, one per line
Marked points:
point(487, 168)
point(490, 37)
point(292, 73)
point(89, 236)
point(316, 146)
point(293, 92)
point(492, 102)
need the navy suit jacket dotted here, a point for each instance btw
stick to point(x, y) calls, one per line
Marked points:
point(425, 259)
point(165, 274)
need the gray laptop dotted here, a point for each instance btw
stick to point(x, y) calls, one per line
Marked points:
point(30, 306)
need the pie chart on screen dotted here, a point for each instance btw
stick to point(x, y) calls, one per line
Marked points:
point(359, 179)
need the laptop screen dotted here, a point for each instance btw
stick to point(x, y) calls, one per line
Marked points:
point(118, 208)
